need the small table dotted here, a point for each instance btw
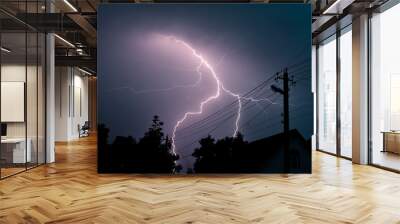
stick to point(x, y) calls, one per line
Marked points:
point(391, 141)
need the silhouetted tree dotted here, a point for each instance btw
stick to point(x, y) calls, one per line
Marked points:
point(234, 155)
point(222, 156)
point(158, 149)
point(151, 154)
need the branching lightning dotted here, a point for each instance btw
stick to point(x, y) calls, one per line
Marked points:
point(219, 87)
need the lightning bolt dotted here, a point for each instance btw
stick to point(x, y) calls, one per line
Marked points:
point(219, 89)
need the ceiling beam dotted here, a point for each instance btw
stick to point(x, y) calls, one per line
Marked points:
point(81, 61)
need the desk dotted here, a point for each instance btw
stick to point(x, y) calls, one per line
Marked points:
point(15, 148)
point(391, 141)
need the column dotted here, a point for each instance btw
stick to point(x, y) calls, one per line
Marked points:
point(360, 90)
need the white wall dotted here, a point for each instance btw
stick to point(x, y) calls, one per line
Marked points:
point(71, 102)
point(33, 126)
point(80, 103)
point(17, 73)
point(62, 82)
point(14, 73)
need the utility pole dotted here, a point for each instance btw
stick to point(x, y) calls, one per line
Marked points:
point(286, 128)
point(286, 119)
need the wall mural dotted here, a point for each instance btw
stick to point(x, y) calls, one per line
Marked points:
point(204, 88)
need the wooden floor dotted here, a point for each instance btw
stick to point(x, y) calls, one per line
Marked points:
point(387, 159)
point(5, 172)
point(70, 191)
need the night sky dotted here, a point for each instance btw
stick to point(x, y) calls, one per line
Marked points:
point(144, 72)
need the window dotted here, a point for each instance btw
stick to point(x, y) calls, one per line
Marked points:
point(22, 99)
point(385, 88)
point(327, 95)
point(346, 92)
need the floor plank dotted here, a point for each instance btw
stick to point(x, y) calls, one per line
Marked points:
point(71, 191)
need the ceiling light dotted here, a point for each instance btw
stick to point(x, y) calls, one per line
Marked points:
point(65, 41)
point(79, 51)
point(337, 7)
point(84, 71)
point(70, 5)
point(327, 11)
point(5, 50)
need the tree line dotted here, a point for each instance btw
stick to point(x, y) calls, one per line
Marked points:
point(152, 153)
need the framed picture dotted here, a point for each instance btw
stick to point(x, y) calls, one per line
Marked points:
point(204, 88)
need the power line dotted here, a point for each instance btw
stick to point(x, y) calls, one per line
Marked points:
point(249, 93)
point(270, 125)
point(223, 109)
point(297, 64)
point(277, 123)
point(224, 114)
point(257, 127)
point(256, 115)
point(216, 126)
point(218, 120)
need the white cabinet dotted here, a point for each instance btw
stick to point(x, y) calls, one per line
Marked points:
point(19, 154)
